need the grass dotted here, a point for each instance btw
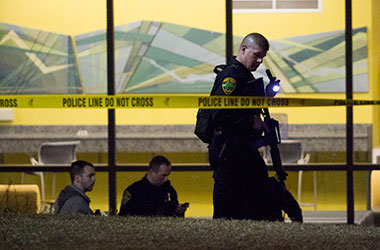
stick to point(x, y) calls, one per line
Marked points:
point(19, 231)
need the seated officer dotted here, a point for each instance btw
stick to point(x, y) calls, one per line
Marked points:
point(153, 195)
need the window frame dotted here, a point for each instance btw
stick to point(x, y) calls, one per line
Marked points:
point(319, 9)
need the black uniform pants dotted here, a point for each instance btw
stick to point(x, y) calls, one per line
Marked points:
point(241, 186)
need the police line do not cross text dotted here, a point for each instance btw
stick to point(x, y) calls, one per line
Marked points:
point(222, 101)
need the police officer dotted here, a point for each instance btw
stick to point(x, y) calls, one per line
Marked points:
point(153, 195)
point(241, 183)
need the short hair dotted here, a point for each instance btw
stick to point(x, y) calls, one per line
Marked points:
point(255, 38)
point(77, 168)
point(157, 161)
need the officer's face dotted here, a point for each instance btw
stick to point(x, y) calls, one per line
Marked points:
point(161, 176)
point(253, 56)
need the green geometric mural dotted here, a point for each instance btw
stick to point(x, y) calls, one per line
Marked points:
point(36, 62)
point(151, 57)
point(316, 63)
point(157, 57)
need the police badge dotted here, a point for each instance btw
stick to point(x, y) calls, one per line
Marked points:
point(126, 197)
point(228, 85)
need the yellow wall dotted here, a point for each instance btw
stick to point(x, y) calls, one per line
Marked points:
point(73, 17)
point(374, 66)
point(374, 49)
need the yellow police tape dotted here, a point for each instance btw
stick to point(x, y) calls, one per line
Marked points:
point(158, 101)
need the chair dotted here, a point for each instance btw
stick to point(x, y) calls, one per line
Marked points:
point(291, 151)
point(53, 153)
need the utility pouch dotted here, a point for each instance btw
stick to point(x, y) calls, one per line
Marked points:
point(204, 127)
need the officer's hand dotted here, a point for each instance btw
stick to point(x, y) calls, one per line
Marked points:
point(181, 209)
point(258, 124)
point(273, 87)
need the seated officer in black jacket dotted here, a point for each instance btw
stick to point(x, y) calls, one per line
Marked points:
point(153, 195)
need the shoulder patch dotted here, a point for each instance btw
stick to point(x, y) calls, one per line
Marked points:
point(126, 197)
point(228, 85)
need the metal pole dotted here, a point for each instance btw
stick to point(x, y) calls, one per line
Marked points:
point(229, 36)
point(111, 112)
point(349, 116)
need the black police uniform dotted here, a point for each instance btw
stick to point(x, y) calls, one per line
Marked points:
point(144, 199)
point(241, 183)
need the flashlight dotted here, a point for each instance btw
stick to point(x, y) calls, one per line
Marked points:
point(274, 85)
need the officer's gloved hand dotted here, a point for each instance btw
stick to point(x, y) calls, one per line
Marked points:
point(258, 124)
point(181, 209)
point(281, 175)
point(273, 87)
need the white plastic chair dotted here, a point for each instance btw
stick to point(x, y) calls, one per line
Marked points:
point(53, 153)
point(291, 151)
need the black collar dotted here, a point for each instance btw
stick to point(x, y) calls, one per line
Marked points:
point(238, 65)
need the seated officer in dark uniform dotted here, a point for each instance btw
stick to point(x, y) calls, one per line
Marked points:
point(153, 195)
point(242, 189)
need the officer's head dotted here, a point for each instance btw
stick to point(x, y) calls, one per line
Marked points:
point(158, 170)
point(252, 51)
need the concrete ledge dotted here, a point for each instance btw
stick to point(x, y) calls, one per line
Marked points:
point(20, 198)
point(331, 137)
point(171, 138)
